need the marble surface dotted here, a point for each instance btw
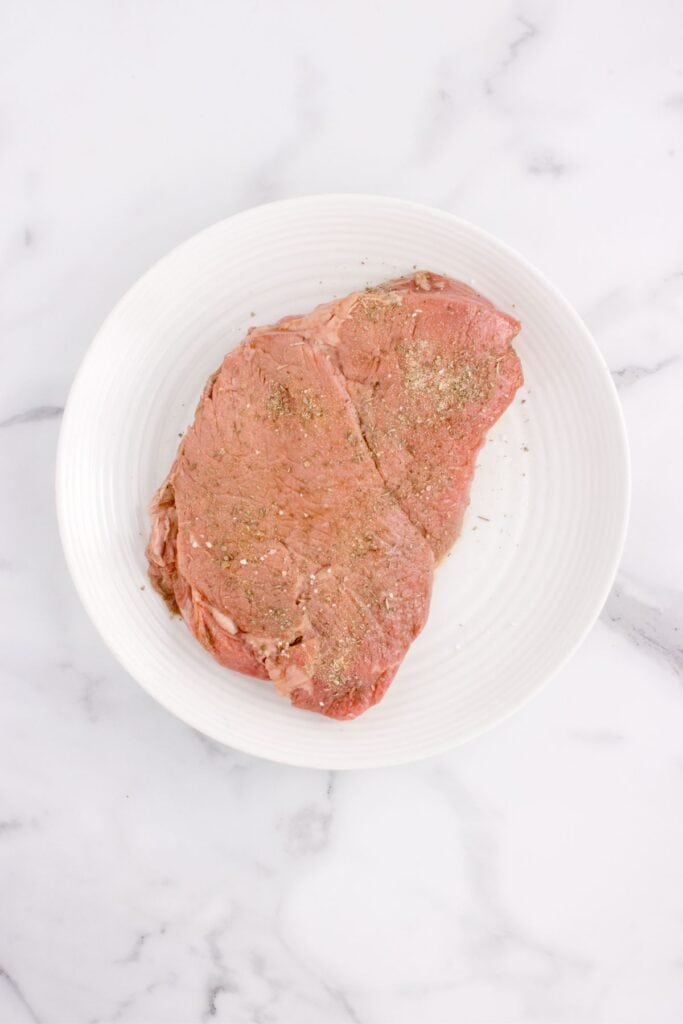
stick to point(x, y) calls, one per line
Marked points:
point(148, 875)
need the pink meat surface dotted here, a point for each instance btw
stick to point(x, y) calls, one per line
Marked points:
point(429, 365)
point(327, 469)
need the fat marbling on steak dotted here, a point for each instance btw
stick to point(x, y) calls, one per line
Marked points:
point(327, 470)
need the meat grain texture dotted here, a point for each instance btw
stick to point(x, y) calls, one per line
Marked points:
point(327, 471)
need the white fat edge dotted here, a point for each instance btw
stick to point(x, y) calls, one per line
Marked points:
point(225, 621)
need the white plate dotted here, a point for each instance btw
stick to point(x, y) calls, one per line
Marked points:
point(541, 540)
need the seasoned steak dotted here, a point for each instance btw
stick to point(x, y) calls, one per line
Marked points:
point(429, 366)
point(277, 539)
point(328, 467)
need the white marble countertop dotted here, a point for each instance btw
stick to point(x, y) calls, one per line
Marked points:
point(148, 875)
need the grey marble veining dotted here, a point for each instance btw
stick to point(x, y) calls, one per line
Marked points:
point(36, 415)
point(654, 624)
point(626, 375)
point(149, 875)
point(525, 32)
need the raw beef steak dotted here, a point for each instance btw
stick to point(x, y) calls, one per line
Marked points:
point(277, 539)
point(430, 367)
point(328, 466)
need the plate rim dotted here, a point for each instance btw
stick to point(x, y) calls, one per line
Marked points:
point(616, 413)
